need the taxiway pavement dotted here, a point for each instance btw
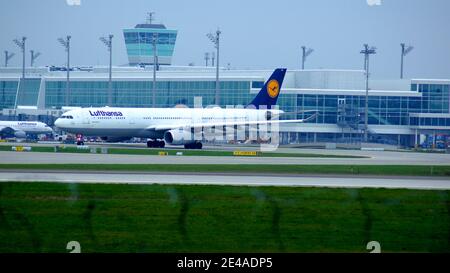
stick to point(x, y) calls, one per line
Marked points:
point(334, 181)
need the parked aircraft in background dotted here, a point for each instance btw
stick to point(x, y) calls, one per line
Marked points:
point(21, 129)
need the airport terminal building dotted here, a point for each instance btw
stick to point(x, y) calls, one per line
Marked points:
point(400, 111)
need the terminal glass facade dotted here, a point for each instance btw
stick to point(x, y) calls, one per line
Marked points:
point(383, 110)
point(8, 91)
point(426, 108)
point(430, 121)
point(28, 92)
point(435, 98)
point(139, 93)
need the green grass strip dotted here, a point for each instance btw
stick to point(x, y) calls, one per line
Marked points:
point(146, 151)
point(44, 217)
point(401, 170)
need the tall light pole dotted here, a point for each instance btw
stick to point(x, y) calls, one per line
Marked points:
point(405, 51)
point(34, 56)
point(108, 43)
point(21, 45)
point(305, 53)
point(66, 45)
point(8, 57)
point(216, 41)
point(206, 58)
point(155, 63)
point(367, 52)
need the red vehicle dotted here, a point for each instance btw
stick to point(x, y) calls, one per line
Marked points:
point(80, 139)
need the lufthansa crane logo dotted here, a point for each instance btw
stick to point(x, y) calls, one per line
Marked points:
point(273, 88)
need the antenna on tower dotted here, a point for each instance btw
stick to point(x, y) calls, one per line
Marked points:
point(150, 17)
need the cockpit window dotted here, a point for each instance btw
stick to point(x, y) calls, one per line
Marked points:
point(67, 117)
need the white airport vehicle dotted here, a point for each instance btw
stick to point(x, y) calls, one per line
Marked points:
point(175, 126)
point(20, 129)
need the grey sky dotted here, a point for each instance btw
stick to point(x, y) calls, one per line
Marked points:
point(255, 34)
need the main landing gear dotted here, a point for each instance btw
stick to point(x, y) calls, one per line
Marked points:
point(195, 145)
point(155, 144)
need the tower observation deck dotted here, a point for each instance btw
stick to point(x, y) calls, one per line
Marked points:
point(139, 43)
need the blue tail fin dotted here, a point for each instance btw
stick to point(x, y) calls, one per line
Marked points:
point(268, 95)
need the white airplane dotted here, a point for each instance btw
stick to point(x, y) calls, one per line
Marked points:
point(174, 126)
point(20, 129)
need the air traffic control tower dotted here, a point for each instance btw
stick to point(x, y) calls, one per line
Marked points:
point(139, 43)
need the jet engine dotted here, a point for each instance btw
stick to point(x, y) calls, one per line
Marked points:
point(179, 137)
point(20, 134)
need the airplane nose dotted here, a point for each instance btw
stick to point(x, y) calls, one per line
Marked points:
point(58, 122)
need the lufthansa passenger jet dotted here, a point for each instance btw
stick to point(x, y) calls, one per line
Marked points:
point(20, 129)
point(174, 126)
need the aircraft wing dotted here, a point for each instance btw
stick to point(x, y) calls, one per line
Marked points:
point(167, 127)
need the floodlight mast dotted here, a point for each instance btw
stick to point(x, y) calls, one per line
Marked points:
point(367, 52)
point(365, 59)
point(108, 43)
point(21, 45)
point(305, 53)
point(34, 57)
point(8, 57)
point(155, 63)
point(66, 44)
point(405, 51)
point(215, 39)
